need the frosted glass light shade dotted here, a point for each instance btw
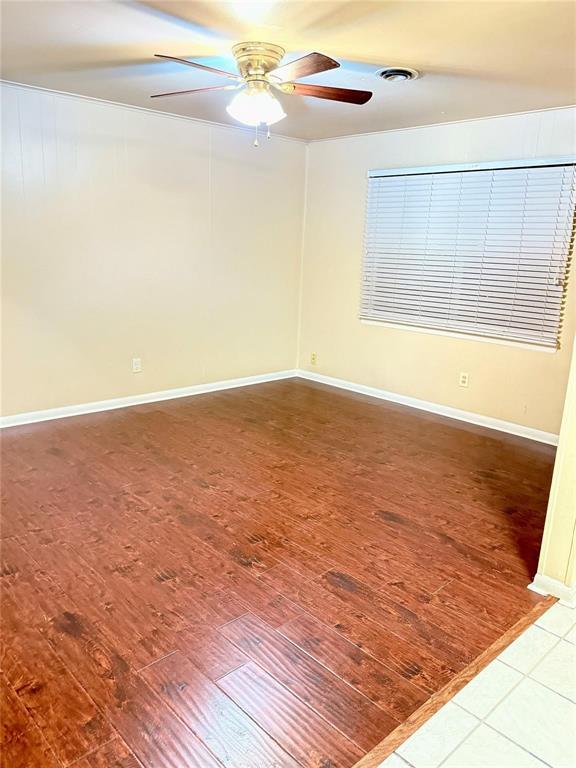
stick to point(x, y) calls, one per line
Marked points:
point(253, 107)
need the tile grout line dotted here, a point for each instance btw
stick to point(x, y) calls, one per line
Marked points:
point(520, 746)
point(462, 741)
point(543, 685)
point(411, 765)
point(528, 675)
point(524, 676)
point(482, 721)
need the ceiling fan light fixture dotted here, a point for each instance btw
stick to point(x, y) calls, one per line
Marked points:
point(254, 106)
point(259, 71)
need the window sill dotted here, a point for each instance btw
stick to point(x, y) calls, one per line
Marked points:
point(466, 336)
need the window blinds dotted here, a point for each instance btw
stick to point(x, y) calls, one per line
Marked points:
point(484, 252)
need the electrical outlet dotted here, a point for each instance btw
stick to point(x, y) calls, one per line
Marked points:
point(136, 365)
point(464, 379)
point(313, 358)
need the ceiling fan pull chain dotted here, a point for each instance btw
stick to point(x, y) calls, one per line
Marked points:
point(256, 142)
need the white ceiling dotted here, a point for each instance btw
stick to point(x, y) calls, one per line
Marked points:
point(477, 57)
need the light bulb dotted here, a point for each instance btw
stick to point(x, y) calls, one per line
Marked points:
point(254, 106)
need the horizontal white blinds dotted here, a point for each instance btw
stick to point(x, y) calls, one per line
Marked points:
point(483, 252)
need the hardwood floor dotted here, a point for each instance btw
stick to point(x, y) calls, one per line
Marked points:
point(272, 576)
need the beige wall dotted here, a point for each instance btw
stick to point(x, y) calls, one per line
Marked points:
point(134, 234)
point(506, 382)
point(558, 554)
point(128, 233)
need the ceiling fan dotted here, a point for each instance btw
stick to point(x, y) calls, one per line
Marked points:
point(260, 73)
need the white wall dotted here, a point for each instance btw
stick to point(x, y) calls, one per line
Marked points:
point(506, 382)
point(131, 233)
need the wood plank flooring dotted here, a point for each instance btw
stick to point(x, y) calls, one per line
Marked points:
point(268, 577)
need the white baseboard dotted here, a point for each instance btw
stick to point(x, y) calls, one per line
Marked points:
point(441, 410)
point(545, 585)
point(149, 397)
point(198, 389)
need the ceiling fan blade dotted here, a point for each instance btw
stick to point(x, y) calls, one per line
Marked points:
point(199, 66)
point(348, 95)
point(307, 65)
point(197, 90)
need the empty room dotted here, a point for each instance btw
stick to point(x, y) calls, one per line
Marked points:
point(288, 426)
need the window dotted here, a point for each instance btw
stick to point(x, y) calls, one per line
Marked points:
point(470, 249)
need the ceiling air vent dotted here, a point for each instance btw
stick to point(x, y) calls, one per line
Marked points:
point(398, 74)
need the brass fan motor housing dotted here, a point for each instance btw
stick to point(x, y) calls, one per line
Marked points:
point(256, 59)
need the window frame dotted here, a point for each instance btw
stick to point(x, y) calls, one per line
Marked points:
point(492, 165)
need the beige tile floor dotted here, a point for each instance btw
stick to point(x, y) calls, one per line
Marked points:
point(519, 712)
